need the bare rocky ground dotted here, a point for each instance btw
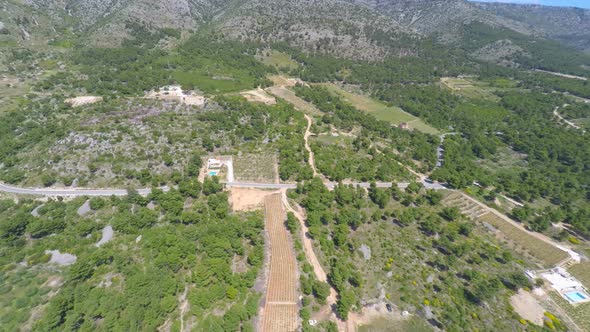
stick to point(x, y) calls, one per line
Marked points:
point(139, 135)
point(84, 209)
point(527, 307)
point(107, 236)
point(62, 259)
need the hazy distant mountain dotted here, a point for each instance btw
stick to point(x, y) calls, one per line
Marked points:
point(565, 24)
point(368, 29)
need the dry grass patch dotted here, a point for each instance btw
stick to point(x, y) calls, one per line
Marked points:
point(581, 272)
point(83, 100)
point(247, 199)
point(259, 95)
point(527, 307)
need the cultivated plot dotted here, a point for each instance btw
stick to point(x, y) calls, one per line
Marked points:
point(522, 240)
point(277, 59)
point(290, 97)
point(255, 168)
point(280, 312)
point(472, 88)
point(381, 111)
point(541, 251)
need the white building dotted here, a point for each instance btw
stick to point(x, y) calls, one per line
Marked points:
point(566, 285)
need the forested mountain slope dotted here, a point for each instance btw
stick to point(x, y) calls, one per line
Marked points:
point(567, 25)
point(359, 29)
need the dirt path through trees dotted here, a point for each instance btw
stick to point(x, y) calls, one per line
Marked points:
point(311, 159)
point(564, 120)
point(318, 270)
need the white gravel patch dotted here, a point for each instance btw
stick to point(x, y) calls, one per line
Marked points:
point(366, 250)
point(84, 209)
point(61, 259)
point(107, 235)
point(35, 212)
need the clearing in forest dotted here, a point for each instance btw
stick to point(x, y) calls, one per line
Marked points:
point(277, 59)
point(247, 199)
point(472, 88)
point(82, 100)
point(281, 310)
point(259, 95)
point(256, 168)
point(381, 111)
point(290, 97)
point(527, 307)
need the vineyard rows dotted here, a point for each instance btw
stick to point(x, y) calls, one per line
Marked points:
point(280, 312)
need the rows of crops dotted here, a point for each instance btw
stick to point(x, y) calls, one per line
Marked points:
point(280, 312)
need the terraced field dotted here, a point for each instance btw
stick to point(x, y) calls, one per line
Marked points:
point(547, 254)
point(521, 240)
point(280, 312)
point(468, 208)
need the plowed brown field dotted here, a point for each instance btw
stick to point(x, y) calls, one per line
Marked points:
point(280, 312)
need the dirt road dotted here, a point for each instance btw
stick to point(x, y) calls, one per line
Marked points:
point(318, 270)
point(538, 236)
point(311, 159)
point(564, 120)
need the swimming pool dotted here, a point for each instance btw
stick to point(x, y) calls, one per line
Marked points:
point(212, 173)
point(575, 296)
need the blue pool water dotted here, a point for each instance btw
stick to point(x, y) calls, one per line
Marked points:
point(575, 296)
point(212, 173)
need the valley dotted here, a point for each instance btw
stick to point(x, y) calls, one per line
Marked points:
point(293, 166)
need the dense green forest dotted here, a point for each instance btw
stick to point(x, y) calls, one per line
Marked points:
point(182, 242)
point(212, 66)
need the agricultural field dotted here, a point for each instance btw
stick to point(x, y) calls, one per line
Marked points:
point(547, 255)
point(472, 88)
point(581, 271)
point(280, 312)
point(255, 168)
point(290, 97)
point(392, 114)
point(277, 59)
